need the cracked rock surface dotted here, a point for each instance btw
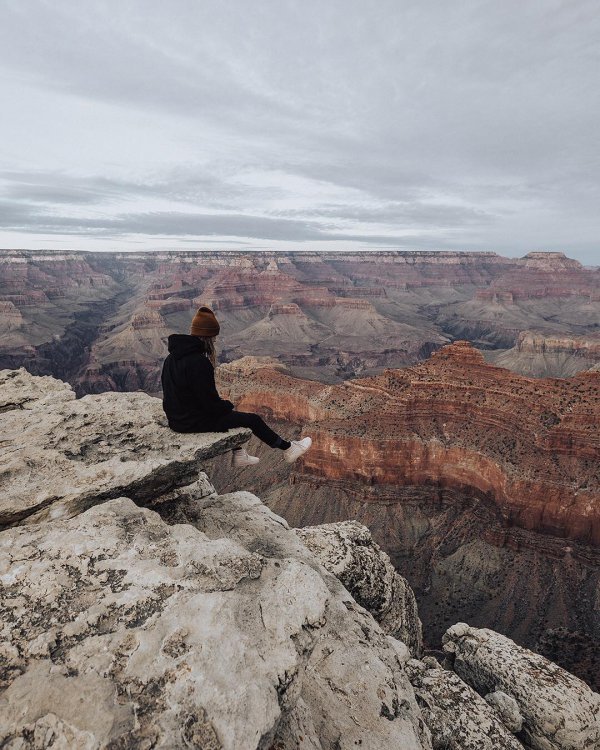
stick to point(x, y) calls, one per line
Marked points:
point(559, 711)
point(348, 551)
point(130, 630)
point(459, 718)
point(355, 692)
point(122, 630)
point(61, 455)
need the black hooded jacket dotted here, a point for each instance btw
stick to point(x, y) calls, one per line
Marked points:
point(190, 397)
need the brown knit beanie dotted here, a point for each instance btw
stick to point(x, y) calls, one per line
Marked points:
point(205, 323)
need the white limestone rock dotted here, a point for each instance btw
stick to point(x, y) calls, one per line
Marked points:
point(458, 718)
point(355, 692)
point(132, 632)
point(212, 628)
point(20, 390)
point(61, 455)
point(560, 712)
point(348, 551)
point(507, 709)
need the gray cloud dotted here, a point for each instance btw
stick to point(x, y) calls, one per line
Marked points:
point(178, 184)
point(409, 214)
point(459, 124)
point(15, 217)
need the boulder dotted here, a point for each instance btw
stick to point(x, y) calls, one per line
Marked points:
point(355, 692)
point(560, 712)
point(457, 717)
point(348, 551)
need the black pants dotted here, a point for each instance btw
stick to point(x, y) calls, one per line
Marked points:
point(257, 424)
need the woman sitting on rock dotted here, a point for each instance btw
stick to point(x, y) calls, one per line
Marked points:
point(190, 397)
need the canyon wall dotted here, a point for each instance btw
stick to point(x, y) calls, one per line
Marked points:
point(100, 320)
point(482, 485)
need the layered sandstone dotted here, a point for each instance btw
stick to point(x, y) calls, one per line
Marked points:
point(545, 355)
point(531, 447)
point(481, 485)
point(360, 313)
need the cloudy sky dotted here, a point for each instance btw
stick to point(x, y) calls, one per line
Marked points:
point(134, 124)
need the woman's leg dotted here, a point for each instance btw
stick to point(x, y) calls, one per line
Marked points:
point(257, 424)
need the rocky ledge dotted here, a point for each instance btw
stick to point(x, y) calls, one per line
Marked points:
point(62, 454)
point(141, 609)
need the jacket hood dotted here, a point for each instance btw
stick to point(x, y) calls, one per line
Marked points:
point(182, 344)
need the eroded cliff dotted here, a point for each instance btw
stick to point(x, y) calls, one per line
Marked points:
point(140, 608)
point(481, 485)
point(100, 320)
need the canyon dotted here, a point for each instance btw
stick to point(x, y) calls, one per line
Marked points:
point(482, 485)
point(142, 608)
point(100, 320)
point(452, 398)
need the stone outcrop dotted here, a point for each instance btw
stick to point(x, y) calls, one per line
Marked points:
point(348, 551)
point(559, 711)
point(204, 622)
point(124, 631)
point(63, 454)
point(457, 716)
point(327, 316)
point(337, 702)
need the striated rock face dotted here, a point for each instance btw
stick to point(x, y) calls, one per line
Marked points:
point(100, 320)
point(540, 355)
point(530, 447)
point(348, 551)
point(559, 711)
point(481, 485)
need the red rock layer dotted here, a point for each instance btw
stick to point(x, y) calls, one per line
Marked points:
point(539, 275)
point(531, 446)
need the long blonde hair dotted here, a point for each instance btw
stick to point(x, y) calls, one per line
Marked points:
point(210, 349)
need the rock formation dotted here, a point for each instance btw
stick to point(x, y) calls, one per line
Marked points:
point(529, 446)
point(558, 710)
point(347, 550)
point(458, 717)
point(481, 485)
point(140, 608)
point(124, 629)
point(539, 355)
point(100, 320)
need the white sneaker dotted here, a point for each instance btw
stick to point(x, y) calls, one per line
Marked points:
point(296, 449)
point(241, 458)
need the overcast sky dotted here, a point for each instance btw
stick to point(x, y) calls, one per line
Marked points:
point(434, 124)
